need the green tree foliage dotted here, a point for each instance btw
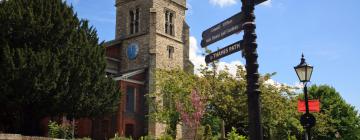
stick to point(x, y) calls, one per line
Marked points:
point(225, 98)
point(336, 119)
point(51, 65)
point(207, 132)
point(233, 135)
point(228, 100)
point(117, 137)
point(59, 131)
point(172, 87)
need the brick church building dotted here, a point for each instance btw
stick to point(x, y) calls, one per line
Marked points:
point(150, 35)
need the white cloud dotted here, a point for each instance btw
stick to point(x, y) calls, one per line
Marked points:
point(195, 57)
point(232, 66)
point(198, 59)
point(267, 3)
point(299, 85)
point(223, 3)
point(271, 82)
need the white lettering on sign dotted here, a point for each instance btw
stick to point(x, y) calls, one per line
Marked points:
point(220, 26)
point(226, 51)
point(227, 22)
point(216, 28)
point(222, 34)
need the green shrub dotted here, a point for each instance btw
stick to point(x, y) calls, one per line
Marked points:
point(117, 137)
point(147, 138)
point(233, 135)
point(165, 137)
point(59, 131)
point(207, 132)
point(216, 137)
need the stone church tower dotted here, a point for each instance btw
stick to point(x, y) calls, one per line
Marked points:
point(156, 29)
point(150, 35)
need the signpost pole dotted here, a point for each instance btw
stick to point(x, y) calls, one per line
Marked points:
point(252, 75)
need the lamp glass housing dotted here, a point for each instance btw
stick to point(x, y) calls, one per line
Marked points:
point(304, 71)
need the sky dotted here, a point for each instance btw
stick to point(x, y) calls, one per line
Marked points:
point(326, 31)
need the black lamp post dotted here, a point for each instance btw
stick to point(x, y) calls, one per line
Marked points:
point(304, 71)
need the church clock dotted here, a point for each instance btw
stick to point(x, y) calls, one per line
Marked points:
point(132, 51)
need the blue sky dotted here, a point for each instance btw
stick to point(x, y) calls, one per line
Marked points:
point(326, 31)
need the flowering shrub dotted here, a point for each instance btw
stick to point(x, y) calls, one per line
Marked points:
point(192, 117)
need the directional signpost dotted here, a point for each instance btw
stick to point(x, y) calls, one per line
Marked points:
point(223, 52)
point(243, 20)
point(224, 29)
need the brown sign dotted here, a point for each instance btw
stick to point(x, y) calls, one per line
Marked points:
point(224, 29)
point(235, 47)
point(235, 19)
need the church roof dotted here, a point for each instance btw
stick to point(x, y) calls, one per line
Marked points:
point(127, 76)
point(180, 2)
point(112, 43)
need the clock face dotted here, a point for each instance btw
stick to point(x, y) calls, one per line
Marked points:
point(132, 51)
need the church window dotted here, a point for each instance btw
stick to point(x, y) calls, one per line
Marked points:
point(170, 50)
point(130, 99)
point(134, 20)
point(169, 22)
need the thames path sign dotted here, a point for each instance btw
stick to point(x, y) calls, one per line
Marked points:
point(225, 28)
point(235, 47)
point(235, 24)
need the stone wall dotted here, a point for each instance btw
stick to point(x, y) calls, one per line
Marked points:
point(122, 17)
point(153, 41)
point(152, 38)
point(164, 40)
point(20, 137)
point(159, 47)
point(162, 55)
point(141, 60)
point(161, 6)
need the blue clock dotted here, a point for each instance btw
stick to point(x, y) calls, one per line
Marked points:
point(132, 51)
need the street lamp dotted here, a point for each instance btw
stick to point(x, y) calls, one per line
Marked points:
point(304, 71)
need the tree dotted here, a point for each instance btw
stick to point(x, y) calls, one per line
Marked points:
point(224, 96)
point(172, 88)
point(192, 118)
point(336, 119)
point(51, 65)
point(227, 100)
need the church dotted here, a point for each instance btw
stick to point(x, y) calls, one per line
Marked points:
point(150, 35)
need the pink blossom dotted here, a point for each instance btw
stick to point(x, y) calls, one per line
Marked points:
point(193, 118)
